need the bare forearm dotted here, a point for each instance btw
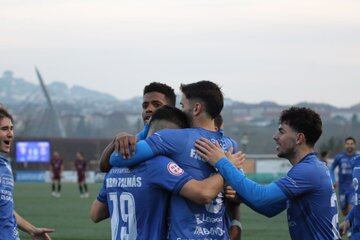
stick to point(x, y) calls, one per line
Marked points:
point(202, 192)
point(104, 158)
point(99, 211)
point(23, 224)
point(233, 210)
point(213, 185)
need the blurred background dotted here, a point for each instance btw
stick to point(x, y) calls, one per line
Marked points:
point(72, 74)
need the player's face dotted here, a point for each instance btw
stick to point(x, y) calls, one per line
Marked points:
point(56, 155)
point(350, 146)
point(6, 134)
point(151, 102)
point(285, 139)
point(186, 106)
point(79, 156)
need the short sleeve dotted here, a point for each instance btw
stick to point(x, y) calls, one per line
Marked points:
point(165, 173)
point(102, 196)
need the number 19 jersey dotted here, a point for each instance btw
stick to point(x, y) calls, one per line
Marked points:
point(138, 197)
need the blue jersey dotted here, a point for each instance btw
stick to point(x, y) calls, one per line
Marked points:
point(312, 206)
point(137, 198)
point(342, 160)
point(355, 212)
point(189, 220)
point(8, 227)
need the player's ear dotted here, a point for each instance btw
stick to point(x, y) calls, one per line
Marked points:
point(300, 138)
point(197, 108)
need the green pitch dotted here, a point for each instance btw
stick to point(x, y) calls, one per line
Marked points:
point(69, 215)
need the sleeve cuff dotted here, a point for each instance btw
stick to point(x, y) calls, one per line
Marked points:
point(180, 184)
point(101, 199)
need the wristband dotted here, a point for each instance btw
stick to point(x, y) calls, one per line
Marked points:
point(236, 223)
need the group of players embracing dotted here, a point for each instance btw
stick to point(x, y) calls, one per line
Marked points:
point(181, 178)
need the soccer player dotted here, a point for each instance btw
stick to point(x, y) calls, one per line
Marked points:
point(342, 161)
point(56, 168)
point(352, 220)
point(10, 221)
point(306, 191)
point(155, 95)
point(137, 198)
point(80, 166)
point(202, 102)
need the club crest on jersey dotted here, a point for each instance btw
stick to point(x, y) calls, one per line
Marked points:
point(174, 169)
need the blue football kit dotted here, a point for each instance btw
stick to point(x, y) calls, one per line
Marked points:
point(354, 215)
point(188, 220)
point(8, 227)
point(306, 192)
point(343, 161)
point(138, 197)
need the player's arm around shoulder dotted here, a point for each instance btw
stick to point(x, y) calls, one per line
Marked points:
point(204, 191)
point(165, 173)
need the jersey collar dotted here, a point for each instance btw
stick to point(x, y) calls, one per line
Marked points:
point(309, 155)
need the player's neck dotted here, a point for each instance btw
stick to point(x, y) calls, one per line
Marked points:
point(350, 153)
point(202, 122)
point(300, 153)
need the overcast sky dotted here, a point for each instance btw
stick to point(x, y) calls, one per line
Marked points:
point(280, 50)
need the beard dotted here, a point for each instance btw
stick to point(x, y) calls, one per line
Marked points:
point(288, 153)
point(350, 150)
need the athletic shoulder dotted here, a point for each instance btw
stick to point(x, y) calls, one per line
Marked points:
point(339, 155)
point(157, 159)
point(308, 168)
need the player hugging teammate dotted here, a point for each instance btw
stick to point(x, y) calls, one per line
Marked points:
point(189, 167)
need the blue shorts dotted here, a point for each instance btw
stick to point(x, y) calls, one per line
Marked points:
point(345, 199)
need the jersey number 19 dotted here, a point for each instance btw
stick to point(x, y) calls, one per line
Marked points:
point(123, 205)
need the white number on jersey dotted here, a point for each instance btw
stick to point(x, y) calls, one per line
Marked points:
point(128, 215)
point(335, 219)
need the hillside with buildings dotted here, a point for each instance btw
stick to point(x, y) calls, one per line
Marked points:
point(88, 113)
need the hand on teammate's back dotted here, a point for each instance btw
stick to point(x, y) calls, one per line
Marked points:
point(230, 194)
point(125, 144)
point(237, 159)
point(209, 151)
point(212, 152)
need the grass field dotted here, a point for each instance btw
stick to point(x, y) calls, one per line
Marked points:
point(69, 215)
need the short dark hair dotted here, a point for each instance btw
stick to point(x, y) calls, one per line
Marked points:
point(171, 114)
point(303, 120)
point(218, 121)
point(5, 114)
point(350, 138)
point(164, 89)
point(207, 92)
point(323, 154)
